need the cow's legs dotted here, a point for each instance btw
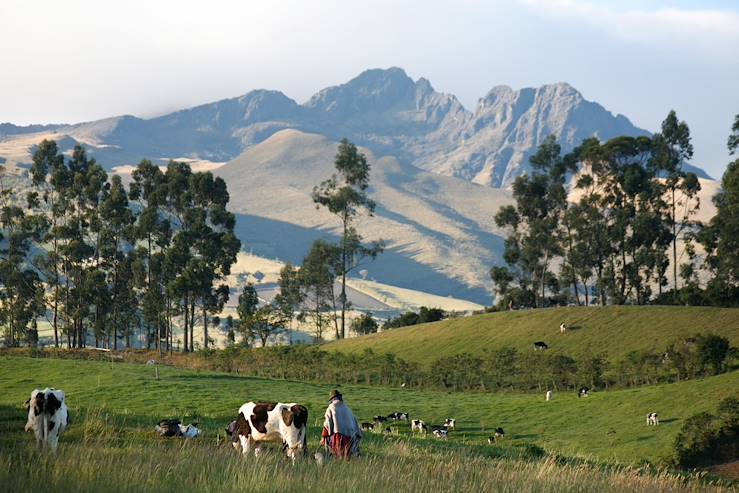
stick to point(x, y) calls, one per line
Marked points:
point(257, 449)
point(246, 443)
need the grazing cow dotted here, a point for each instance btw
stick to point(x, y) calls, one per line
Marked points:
point(273, 421)
point(499, 432)
point(450, 423)
point(387, 431)
point(379, 419)
point(583, 392)
point(549, 395)
point(398, 416)
point(367, 426)
point(232, 432)
point(491, 440)
point(418, 425)
point(540, 346)
point(441, 433)
point(562, 328)
point(652, 419)
point(48, 416)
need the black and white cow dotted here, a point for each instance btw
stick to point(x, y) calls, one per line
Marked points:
point(441, 433)
point(499, 433)
point(418, 425)
point(173, 428)
point(273, 421)
point(562, 328)
point(540, 346)
point(652, 419)
point(450, 423)
point(48, 416)
point(367, 426)
point(398, 416)
point(583, 392)
point(379, 419)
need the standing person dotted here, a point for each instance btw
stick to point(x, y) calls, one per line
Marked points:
point(340, 429)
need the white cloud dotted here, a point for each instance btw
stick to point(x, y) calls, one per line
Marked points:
point(711, 32)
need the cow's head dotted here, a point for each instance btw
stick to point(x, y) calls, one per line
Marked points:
point(293, 429)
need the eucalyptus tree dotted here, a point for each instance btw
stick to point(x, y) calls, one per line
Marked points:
point(291, 297)
point(345, 195)
point(533, 223)
point(673, 149)
point(51, 179)
point(318, 274)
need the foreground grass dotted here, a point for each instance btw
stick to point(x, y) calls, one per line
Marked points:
point(400, 467)
point(612, 330)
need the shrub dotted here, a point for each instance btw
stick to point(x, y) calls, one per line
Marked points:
point(705, 439)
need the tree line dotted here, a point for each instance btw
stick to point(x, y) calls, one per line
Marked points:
point(150, 260)
point(98, 259)
point(614, 238)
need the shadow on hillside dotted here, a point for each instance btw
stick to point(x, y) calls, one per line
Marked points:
point(271, 238)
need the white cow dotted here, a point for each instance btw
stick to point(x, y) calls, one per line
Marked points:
point(273, 421)
point(48, 416)
point(562, 328)
point(652, 419)
point(450, 423)
point(549, 395)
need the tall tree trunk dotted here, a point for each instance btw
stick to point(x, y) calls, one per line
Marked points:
point(205, 326)
point(186, 315)
point(674, 243)
point(192, 324)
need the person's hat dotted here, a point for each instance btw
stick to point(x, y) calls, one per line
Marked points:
point(335, 394)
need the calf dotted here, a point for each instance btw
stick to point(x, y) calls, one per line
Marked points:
point(652, 419)
point(540, 346)
point(173, 428)
point(450, 423)
point(417, 425)
point(48, 416)
point(441, 433)
point(583, 392)
point(549, 395)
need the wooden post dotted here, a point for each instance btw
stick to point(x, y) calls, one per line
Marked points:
point(156, 372)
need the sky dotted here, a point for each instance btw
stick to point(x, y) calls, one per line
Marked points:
point(81, 60)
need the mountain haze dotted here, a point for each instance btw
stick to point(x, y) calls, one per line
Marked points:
point(382, 109)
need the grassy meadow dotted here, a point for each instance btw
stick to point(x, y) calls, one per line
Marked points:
point(612, 330)
point(568, 444)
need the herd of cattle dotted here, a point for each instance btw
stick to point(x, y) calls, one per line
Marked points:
point(257, 422)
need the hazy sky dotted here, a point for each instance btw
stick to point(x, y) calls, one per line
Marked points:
point(78, 60)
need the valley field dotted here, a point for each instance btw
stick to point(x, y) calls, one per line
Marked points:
point(111, 444)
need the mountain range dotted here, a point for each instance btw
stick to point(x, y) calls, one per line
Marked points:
point(439, 171)
point(382, 109)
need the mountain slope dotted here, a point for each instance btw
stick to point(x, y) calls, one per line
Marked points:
point(439, 230)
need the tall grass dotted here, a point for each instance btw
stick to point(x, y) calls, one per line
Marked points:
point(178, 466)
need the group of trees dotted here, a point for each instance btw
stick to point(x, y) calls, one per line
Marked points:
point(707, 439)
point(310, 292)
point(114, 263)
point(616, 240)
point(95, 257)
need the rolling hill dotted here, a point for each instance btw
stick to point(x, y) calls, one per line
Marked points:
point(439, 230)
point(612, 330)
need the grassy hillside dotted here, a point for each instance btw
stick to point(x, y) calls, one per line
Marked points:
point(606, 426)
point(614, 330)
